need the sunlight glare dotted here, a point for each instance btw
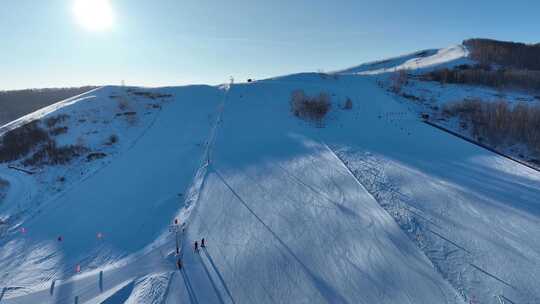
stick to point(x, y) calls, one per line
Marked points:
point(95, 15)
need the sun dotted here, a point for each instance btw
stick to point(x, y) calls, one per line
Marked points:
point(94, 15)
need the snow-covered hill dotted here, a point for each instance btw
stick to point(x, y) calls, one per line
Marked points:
point(418, 61)
point(374, 207)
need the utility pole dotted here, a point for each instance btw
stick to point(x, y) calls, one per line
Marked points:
point(175, 228)
point(176, 237)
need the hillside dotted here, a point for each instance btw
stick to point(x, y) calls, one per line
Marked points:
point(368, 205)
point(488, 95)
point(17, 103)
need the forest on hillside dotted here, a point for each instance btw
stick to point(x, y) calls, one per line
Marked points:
point(500, 64)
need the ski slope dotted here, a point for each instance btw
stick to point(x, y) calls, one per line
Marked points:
point(418, 61)
point(130, 201)
point(474, 213)
point(375, 207)
point(285, 217)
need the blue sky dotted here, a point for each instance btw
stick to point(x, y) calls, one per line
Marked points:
point(174, 42)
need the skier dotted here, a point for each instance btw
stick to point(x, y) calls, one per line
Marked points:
point(203, 245)
point(60, 238)
point(196, 246)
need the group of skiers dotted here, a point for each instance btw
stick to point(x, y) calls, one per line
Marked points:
point(196, 248)
point(196, 245)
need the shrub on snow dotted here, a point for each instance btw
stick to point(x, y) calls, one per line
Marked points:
point(312, 108)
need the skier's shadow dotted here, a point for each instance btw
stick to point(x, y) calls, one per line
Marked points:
point(216, 290)
point(218, 274)
point(189, 287)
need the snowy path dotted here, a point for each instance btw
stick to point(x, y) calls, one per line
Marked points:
point(193, 262)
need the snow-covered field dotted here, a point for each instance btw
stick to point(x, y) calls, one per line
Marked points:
point(374, 207)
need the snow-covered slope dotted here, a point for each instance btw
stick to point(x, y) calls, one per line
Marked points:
point(418, 61)
point(129, 201)
point(375, 207)
point(474, 213)
point(287, 222)
point(106, 122)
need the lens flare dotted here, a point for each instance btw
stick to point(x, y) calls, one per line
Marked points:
point(94, 15)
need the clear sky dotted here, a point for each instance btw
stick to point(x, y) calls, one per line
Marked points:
point(44, 43)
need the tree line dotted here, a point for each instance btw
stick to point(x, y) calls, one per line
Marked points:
point(498, 122)
point(503, 78)
point(500, 64)
point(507, 54)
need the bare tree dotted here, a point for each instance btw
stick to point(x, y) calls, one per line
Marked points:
point(498, 122)
point(398, 80)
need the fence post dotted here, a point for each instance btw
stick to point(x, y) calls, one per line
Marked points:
point(52, 287)
point(101, 281)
